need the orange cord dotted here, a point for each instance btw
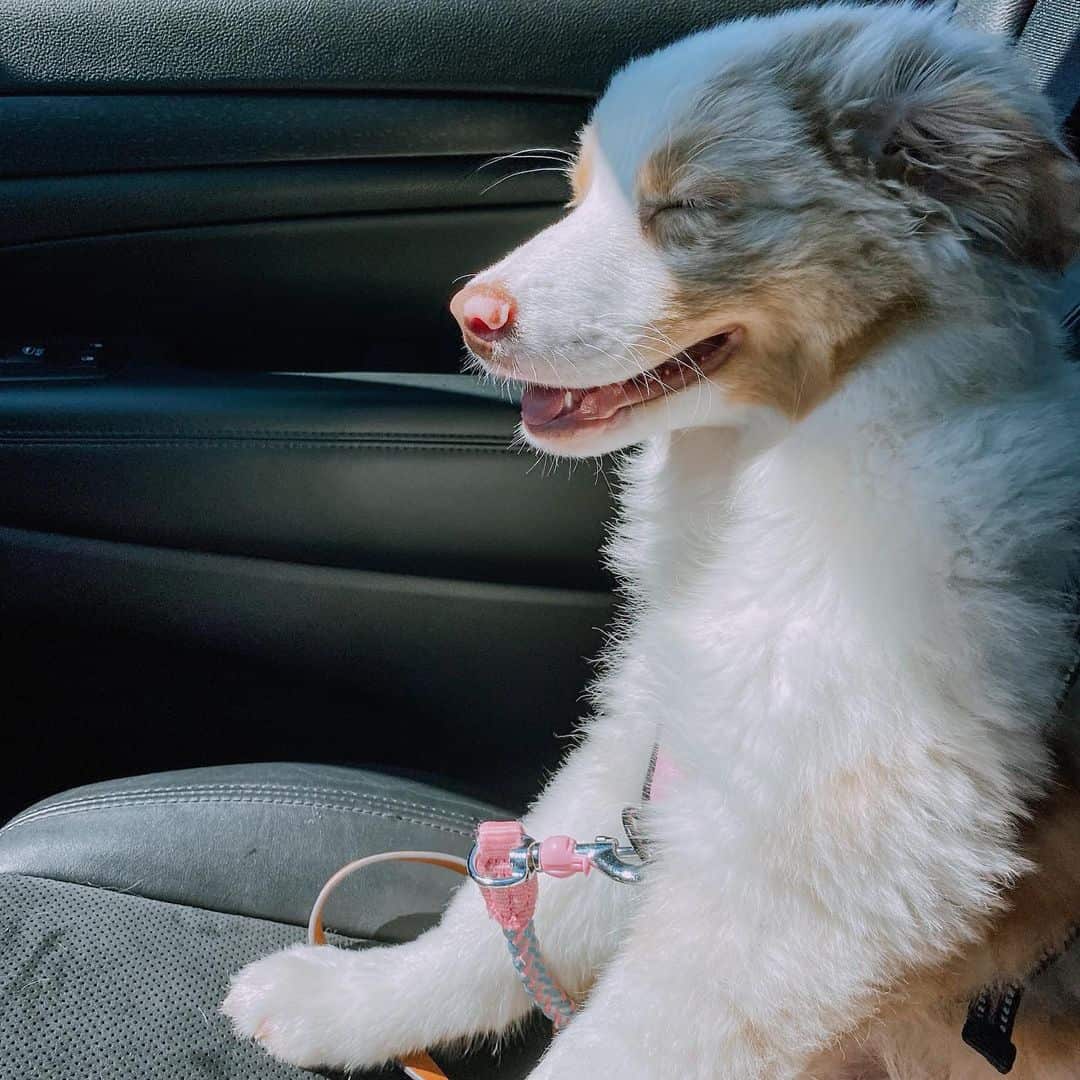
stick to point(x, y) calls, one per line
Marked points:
point(421, 1067)
point(418, 1066)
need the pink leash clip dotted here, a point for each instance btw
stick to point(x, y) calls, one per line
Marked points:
point(511, 895)
point(559, 857)
point(504, 862)
point(504, 857)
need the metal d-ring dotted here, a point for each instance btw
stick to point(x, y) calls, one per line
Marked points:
point(523, 864)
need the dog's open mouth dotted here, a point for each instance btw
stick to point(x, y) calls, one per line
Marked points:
point(550, 410)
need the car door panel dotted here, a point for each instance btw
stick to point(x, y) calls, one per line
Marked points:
point(369, 474)
point(83, 207)
point(80, 134)
point(351, 290)
point(519, 47)
point(204, 561)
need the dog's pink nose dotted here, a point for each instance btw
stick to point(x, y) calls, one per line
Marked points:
point(484, 311)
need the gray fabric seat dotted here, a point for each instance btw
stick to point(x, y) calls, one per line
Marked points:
point(126, 906)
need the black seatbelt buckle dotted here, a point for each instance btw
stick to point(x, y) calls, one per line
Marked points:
point(989, 1025)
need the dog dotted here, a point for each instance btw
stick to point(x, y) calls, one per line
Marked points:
point(807, 277)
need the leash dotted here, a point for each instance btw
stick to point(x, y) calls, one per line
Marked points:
point(505, 862)
point(418, 1066)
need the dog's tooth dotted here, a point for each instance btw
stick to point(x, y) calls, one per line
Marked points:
point(568, 401)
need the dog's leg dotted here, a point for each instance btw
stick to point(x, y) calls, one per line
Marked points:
point(758, 942)
point(318, 1005)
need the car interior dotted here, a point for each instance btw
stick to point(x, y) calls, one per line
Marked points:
point(279, 588)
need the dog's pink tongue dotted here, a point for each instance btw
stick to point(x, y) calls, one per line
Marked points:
point(542, 404)
point(605, 401)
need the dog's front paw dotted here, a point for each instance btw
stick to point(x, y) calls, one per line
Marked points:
point(286, 1003)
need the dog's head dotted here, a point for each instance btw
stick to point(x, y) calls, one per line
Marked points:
point(757, 209)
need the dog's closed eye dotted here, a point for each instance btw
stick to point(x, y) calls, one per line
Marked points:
point(653, 213)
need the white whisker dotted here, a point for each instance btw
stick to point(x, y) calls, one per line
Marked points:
point(550, 153)
point(514, 175)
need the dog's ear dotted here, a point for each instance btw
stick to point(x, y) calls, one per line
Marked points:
point(988, 154)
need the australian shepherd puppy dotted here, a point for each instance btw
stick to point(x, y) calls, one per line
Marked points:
point(806, 272)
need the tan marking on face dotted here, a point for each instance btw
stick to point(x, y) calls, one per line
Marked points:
point(657, 174)
point(677, 174)
point(779, 374)
point(795, 375)
point(798, 348)
point(581, 172)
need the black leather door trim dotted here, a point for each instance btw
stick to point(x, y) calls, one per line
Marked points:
point(78, 135)
point(444, 659)
point(514, 46)
point(221, 288)
point(359, 474)
point(61, 208)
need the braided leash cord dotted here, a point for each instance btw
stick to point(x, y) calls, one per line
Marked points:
point(528, 962)
point(512, 909)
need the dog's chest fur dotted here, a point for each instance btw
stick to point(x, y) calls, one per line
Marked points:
point(878, 591)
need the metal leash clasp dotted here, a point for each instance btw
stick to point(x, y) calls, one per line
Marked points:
point(620, 862)
point(561, 857)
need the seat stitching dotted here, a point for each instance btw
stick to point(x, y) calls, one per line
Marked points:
point(161, 797)
point(465, 828)
point(223, 798)
point(109, 797)
point(272, 785)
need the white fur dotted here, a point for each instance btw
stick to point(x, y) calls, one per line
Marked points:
point(847, 633)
